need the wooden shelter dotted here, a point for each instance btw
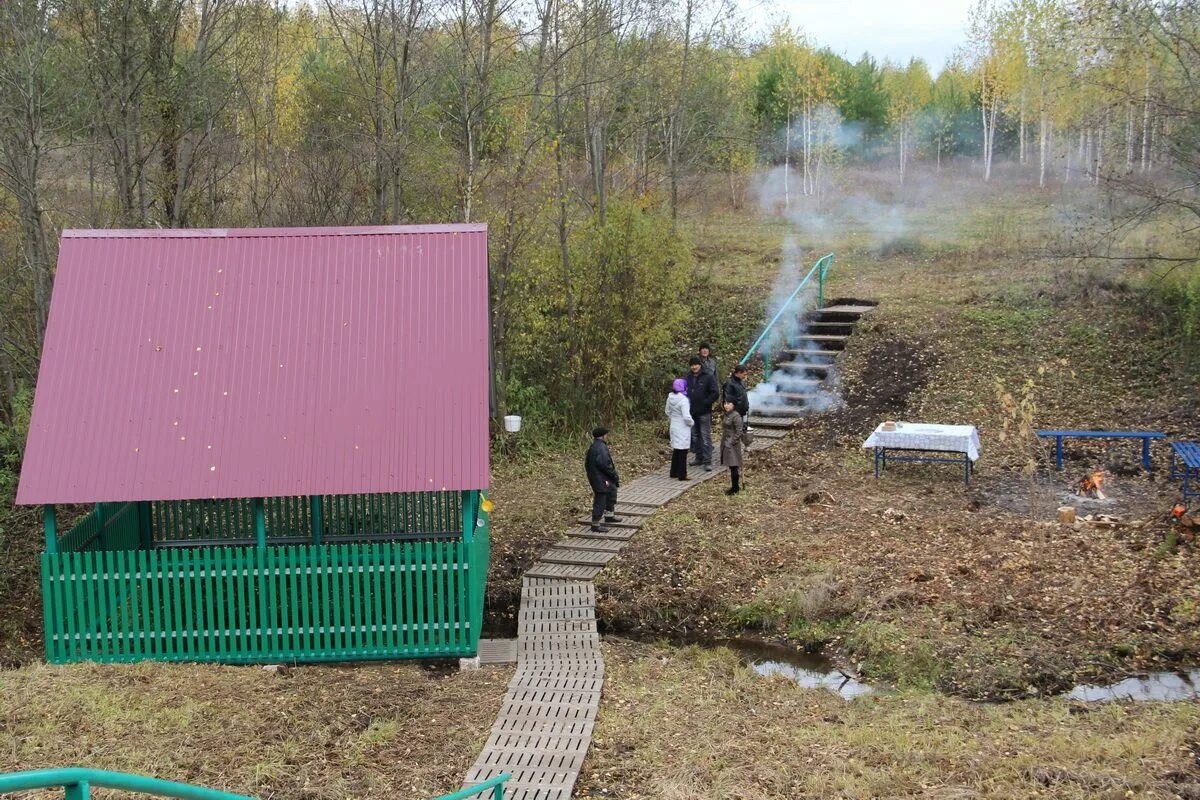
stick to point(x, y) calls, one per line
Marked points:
point(284, 433)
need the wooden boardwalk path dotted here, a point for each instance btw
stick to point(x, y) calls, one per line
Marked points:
point(544, 728)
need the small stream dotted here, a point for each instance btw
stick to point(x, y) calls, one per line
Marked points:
point(810, 670)
point(815, 671)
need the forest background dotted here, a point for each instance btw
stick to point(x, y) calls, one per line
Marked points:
point(588, 134)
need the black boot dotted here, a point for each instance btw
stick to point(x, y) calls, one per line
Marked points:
point(598, 528)
point(613, 518)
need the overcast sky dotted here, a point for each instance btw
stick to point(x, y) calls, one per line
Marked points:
point(895, 29)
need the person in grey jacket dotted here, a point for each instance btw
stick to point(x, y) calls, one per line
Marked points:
point(604, 479)
point(731, 446)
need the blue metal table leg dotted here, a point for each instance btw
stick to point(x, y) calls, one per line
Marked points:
point(1058, 453)
point(877, 451)
point(1146, 455)
point(966, 469)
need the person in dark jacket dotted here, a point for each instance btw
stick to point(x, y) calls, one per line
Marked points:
point(708, 360)
point(735, 392)
point(602, 475)
point(702, 392)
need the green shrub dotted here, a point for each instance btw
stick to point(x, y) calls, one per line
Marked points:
point(583, 343)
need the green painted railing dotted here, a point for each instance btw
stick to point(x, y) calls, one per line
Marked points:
point(79, 782)
point(821, 271)
point(496, 785)
point(327, 602)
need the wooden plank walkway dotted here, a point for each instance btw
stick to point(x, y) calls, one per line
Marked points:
point(545, 725)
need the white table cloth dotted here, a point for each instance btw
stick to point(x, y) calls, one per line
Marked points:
point(925, 436)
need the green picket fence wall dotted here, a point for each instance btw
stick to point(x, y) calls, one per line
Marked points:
point(247, 604)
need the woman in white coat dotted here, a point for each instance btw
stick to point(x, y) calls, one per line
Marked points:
point(679, 412)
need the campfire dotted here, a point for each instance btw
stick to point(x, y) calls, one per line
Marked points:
point(1092, 485)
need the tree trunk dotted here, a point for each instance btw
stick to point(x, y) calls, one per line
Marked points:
point(1042, 135)
point(787, 165)
point(1146, 123)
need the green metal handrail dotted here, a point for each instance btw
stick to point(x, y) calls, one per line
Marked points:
point(78, 783)
point(496, 784)
point(821, 270)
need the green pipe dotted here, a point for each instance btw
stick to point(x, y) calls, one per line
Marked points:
point(496, 783)
point(50, 520)
point(78, 782)
point(820, 268)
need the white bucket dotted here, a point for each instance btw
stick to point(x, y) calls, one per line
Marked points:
point(512, 423)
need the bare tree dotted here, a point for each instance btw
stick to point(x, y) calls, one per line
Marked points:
point(26, 43)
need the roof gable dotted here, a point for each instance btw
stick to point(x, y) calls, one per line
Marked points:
point(249, 363)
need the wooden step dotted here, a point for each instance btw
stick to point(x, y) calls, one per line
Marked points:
point(809, 351)
point(631, 524)
point(615, 534)
point(793, 397)
point(803, 366)
point(776, 411)
point(820, 337)
point(772, 422)
point(846, 309)
point(770, 433)
point(580, 543)
point(582, 558)
point(791, 366)
point(563, 572)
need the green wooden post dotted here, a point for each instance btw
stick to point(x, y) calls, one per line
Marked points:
point(50, 520)
point(101, 534)
point(78, 791)
point(145, 528)
point(260, 523)
point(470, 514)
point(318, 524)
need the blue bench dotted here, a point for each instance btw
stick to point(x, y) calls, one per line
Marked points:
point(1189, 454)
point(1145, 436)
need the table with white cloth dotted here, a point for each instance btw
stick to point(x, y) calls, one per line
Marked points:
point(934, 441)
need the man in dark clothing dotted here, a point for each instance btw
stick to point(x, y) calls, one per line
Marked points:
point(735, 391)
point(702, 393)
point(602, 475)
point(707, 359)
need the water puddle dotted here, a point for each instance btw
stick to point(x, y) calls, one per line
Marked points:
point(1157, 686)
point(809, 670)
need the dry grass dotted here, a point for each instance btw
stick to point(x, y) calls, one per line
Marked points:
point(965, 589)
point(682, 724)
point(316, 733)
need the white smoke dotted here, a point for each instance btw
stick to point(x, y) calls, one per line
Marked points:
point(804, 382)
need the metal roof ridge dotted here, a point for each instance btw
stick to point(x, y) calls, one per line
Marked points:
point(241, 233)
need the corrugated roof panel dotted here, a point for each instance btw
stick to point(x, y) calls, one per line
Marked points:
point(250, 363)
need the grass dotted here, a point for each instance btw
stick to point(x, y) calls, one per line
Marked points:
point(688, 723)
point(379, 730)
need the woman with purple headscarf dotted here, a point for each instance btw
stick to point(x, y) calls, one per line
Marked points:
point(679, 413)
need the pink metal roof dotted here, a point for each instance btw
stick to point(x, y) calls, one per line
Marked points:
point(262, 362)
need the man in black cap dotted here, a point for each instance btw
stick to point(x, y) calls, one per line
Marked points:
point(602, 475)
point(702, 393)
